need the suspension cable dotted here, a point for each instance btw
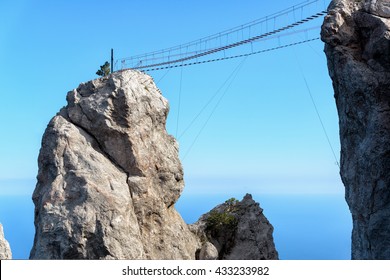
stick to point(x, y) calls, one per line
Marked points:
point(177, 51)
point(232, 77)
point(236, 44)
point(230, 57)
point(317, 111)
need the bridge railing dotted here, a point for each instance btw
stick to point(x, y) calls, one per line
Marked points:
point(271, 27)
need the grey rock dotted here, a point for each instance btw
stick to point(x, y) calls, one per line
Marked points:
point(208, 252)
point(5, 250)
point(109, 175)
point(378, 7)
point(238, 230)
point(357, 46)
point(83, 207)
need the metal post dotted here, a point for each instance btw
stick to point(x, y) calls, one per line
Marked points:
point(112, 60)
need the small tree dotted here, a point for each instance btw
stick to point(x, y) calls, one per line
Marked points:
point(225, 220)
point(104, 69)
point(217, 221)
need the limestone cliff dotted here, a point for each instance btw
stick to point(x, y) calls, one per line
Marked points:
point(236, 230)
point(5, 250)
point(357, 46)
point(109, 176)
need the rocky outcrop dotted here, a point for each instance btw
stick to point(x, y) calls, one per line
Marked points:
point(109, 176)
point(357, 46)
point(236, 230)
point(5, 250)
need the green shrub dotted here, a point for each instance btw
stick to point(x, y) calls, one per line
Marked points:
point(217, 221)
point(231, 204)
point(104, 69)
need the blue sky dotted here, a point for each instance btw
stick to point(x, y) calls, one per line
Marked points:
point(264, 137)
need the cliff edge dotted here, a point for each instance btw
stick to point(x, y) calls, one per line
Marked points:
point(357, 46)
point(110, 175)
point(5, 250)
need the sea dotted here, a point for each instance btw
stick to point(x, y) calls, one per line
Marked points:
point(306, 227)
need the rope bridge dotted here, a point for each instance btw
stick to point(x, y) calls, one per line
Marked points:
point(225, 45)
point(221, 46)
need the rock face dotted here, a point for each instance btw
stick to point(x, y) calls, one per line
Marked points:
point(357, 46)
point(237, 230)
point(109, 176)
point(5, 250)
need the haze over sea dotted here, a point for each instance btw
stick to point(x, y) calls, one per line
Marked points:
point(306, 226)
